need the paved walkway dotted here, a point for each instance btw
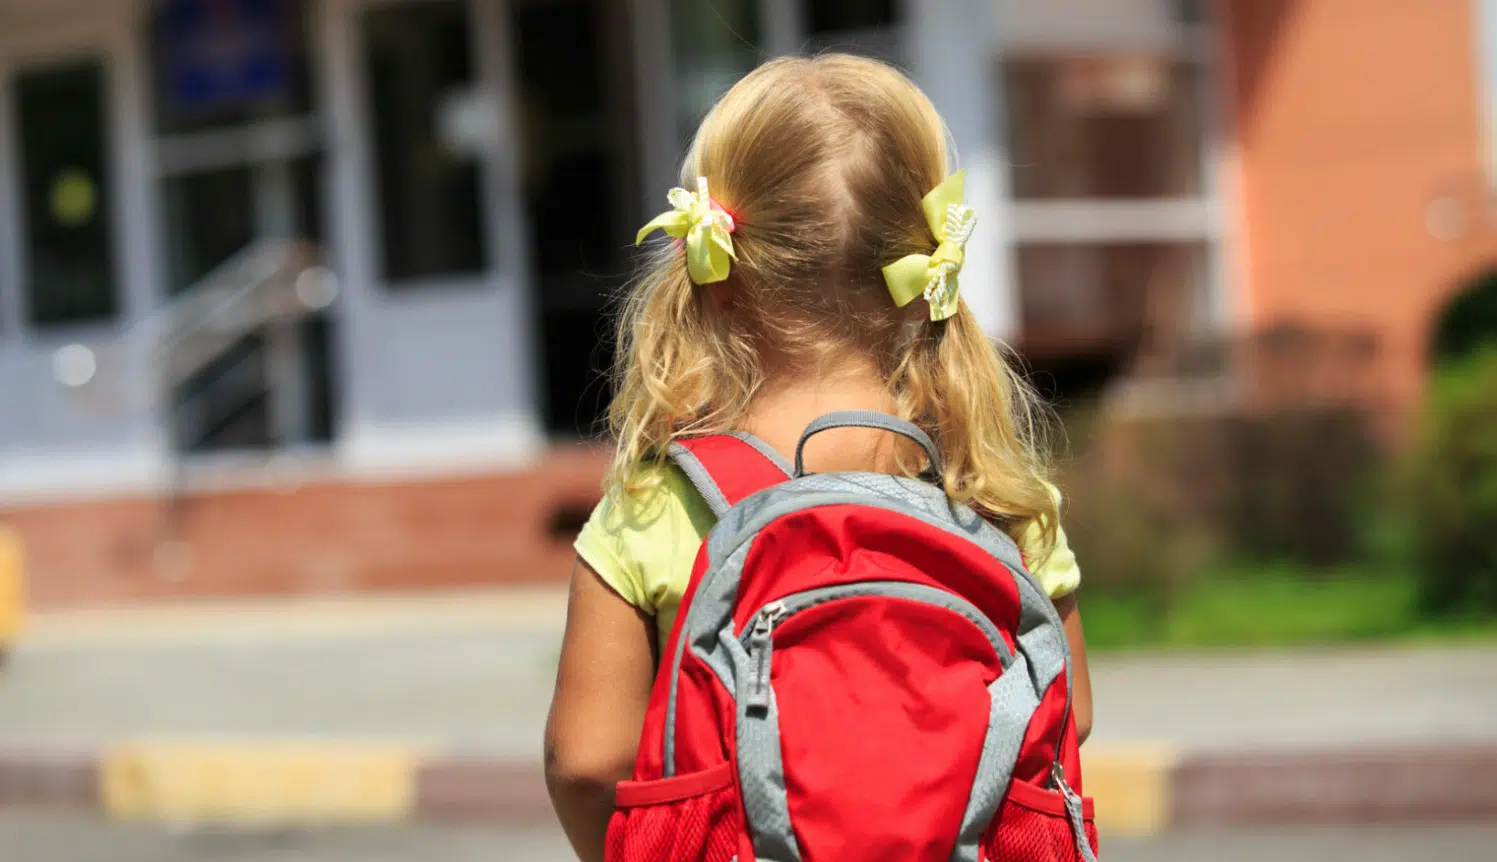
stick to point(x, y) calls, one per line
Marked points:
point(474, 672)
point(52, 838)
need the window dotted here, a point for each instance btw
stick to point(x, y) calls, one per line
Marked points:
point(1190, 12)
point(226, 63)
point(1111, 126)
point(210, 216)
point(69, 238)
point(430, 208)
point(213, 215)
point(1078, 298)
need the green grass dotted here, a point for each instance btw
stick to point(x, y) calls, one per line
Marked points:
point(1272, 607)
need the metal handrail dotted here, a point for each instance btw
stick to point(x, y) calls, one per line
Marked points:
point(268, 282)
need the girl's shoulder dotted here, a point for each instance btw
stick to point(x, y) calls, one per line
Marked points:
point(1052, 562)
point(637, 540)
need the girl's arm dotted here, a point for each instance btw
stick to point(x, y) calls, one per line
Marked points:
point(602, 686)
point(1081, 678)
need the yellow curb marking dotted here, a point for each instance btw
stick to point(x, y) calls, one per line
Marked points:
point(1133, 788)
point(12, 586)
point(257, 783)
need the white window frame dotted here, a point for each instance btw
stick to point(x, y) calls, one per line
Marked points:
point(1199, 218)
point(108, 38)
point(348, 101)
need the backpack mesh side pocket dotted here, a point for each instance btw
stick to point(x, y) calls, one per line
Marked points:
point(1032, 826)
point(687, 818)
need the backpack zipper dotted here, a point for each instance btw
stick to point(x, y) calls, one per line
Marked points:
point(758, 636)
point(761, 647)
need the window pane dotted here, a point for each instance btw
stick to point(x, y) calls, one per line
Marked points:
point(1104, 127)
point(65, 170)
point(213, 215)
point(1110, 298)
point(431, 218)
point(1190, 12)
point(715, 44)
point(228, 62)
point(210, 216)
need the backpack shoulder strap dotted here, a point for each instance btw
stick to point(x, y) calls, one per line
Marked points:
point(725, 468)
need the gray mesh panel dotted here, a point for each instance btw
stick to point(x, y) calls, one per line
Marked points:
point(761, 767)
point(709, 605)
point(1012, 703)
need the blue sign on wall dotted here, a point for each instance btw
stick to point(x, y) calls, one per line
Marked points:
point(223, 53)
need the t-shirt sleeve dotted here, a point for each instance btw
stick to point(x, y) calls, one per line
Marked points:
point(1053, 565)
point(603, 545)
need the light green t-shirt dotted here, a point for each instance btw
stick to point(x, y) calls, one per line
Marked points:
point(644, 545)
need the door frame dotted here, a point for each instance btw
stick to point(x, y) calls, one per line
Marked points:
point(344, 93)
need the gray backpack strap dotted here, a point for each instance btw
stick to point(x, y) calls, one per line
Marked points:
point(867, 419)
point(725, 468)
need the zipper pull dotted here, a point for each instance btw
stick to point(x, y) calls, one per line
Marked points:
point(1075, 812)
point(1058, 780)
point(761, 648)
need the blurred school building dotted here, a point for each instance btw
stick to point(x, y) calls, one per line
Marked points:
point(310, 295)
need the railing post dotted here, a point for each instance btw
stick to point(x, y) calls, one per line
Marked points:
point(286, 372)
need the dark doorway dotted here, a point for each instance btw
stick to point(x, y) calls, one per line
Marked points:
point(576, 100)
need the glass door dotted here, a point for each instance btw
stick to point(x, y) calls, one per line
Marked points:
point(576, 90)
point(239, 159)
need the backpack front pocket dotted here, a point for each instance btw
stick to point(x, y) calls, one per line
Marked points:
point(685, 818)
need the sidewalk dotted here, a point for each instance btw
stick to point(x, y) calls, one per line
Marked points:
point(434, 707)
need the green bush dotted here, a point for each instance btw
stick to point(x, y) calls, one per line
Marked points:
point(1469, 323)
point(1453, 492)
point(1157, 503)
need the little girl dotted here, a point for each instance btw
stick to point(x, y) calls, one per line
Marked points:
point(814, 269)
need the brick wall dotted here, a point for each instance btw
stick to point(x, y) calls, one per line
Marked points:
point(322, 537)
point(1351, 117)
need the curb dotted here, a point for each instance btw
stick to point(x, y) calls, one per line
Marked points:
point(12, 587)
point(1139, 791)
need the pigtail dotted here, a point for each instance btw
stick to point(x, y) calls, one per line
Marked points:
point(991, 425)
point(679, 371)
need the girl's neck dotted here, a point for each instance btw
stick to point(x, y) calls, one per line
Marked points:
point(786, 403)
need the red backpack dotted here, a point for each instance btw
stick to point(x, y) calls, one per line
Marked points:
point(860, 671)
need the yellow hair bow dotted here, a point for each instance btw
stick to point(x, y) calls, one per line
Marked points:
point(934, 276)
point(705, 226)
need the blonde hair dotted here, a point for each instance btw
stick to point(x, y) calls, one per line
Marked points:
point(822, 162)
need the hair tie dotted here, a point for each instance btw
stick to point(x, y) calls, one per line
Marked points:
point(934, 276)
point(706, 228)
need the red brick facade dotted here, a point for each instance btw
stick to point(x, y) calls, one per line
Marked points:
point(482, 529)
point(1351, 118)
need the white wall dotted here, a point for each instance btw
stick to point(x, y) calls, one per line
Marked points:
point(953, 55)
